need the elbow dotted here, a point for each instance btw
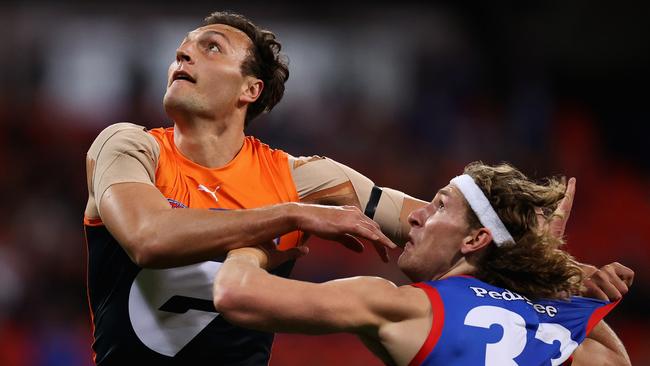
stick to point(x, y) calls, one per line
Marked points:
point(144, 257)
point(228, 302)
point(222, 299)
point(227, 296)
point(144, 249)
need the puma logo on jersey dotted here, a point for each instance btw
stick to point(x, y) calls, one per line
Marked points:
point(212, 193)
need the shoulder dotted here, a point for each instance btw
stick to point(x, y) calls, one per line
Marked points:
point(123, 136)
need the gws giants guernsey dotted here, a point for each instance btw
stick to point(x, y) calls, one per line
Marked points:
point(166, 317)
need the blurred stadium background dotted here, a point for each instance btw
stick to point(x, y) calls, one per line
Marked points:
point(405, 93)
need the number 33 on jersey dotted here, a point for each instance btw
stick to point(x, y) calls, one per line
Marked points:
point(475, 323)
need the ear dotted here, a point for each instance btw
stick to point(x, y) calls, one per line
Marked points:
point(251, 90)
point(476, 240)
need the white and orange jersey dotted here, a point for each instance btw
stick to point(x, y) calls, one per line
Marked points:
point(166, 316)
point(258, 175)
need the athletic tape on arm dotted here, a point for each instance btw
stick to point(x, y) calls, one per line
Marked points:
point(314, 174)
point(123, 153)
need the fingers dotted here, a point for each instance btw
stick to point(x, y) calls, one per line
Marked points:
point(592, 290)
point(383, 252)
point(602, 280)
point(557, 223)
point(374, 234)
point(567, 202)
point(275, 257)
point(612, 281)
point(619, 276)
point(295, 252)
point(351, 243)
point(368, 229)
point(347, 225)
point(623, 272)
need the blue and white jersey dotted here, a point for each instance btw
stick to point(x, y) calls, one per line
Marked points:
point(475, 323)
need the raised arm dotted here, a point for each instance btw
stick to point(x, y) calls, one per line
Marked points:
point(248, 296)
point(121, 169)
point(324, 181)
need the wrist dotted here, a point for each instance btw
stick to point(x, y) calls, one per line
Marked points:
point(252, 255)
point(292, 211)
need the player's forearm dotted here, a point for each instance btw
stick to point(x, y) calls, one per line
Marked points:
point(601, 347)
point(184, 236)
point(248, 296)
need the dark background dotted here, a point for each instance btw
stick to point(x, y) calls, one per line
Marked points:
point(405, 93)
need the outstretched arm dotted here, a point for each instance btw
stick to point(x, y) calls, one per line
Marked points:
point(248, 296)
point(601, 347)
point(155, 235)
point(121, 166)
point(324, 181)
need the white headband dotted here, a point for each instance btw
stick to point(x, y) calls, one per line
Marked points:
point(482, 208)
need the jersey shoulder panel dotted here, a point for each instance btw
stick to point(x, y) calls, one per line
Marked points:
point(122, 152)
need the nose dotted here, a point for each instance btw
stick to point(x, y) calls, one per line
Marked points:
point(415, 217)
point(182, 55)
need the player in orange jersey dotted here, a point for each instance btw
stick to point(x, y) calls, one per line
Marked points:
point(165, 205)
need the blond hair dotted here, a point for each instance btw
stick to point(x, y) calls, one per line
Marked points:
point(534, 266)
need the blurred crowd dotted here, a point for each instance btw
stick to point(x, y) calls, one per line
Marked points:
point(406, 95)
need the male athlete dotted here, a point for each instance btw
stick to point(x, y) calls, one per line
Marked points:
point(491, 289)
point(166, 205)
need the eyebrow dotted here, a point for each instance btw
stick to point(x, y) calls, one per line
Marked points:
point(443, 192)
point(209, 32)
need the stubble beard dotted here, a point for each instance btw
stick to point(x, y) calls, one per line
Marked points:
point(181, 106)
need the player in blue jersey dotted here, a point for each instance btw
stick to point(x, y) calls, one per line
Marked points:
point(491, 287)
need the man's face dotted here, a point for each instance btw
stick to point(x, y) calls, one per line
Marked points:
point(206, 79)
point(437, 232)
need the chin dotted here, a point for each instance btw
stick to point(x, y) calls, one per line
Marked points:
point(177, 105)
point(407, 267)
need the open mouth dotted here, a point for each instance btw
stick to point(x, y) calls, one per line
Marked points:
point(182, 75)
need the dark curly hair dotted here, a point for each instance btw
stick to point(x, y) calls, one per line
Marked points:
point(534, 266)
point(264, 61)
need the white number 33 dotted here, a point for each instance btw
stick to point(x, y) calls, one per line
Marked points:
point(513, 342)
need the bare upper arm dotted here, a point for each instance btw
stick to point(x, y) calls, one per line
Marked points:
point(362, 305)
point(369, 303)
point(126, 210)
point(121, 165)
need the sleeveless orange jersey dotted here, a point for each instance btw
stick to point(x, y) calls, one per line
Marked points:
point(257, 176)
point(165, 316)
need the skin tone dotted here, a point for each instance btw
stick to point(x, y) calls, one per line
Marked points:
point(209, 108)
point(391, 321)
point(207, 97)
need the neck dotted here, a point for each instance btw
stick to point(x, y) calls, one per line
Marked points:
point(461, 267)
point(211, 144)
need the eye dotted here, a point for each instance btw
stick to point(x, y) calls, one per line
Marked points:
point(213, 47)
point(440, 205)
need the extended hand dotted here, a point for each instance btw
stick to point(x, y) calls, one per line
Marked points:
point(344, 224)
